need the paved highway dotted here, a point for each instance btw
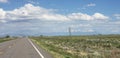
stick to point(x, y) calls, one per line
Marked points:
point(22, 48)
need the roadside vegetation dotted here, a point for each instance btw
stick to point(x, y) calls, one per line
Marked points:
point(6, 38)
point(95, 46)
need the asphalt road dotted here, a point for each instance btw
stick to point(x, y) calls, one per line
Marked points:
point(22, 48)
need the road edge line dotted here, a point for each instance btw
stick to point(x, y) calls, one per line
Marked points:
point(36, 48)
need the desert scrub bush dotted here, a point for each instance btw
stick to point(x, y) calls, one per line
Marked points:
point(99, 46)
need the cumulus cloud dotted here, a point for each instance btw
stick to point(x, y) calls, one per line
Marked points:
point(117, 16)
point(29, 11)
point(81, 16)
point(2, 14)
point(3, 1)
point(99, 16)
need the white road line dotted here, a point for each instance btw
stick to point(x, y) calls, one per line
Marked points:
point(36, 48)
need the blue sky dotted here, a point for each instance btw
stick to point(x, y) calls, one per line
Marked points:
point(54, 17)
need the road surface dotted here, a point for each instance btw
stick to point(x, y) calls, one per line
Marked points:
point(22, 48)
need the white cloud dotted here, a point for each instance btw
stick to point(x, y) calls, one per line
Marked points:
point(3, 1)
point(3, 21)
point(2, 14)
point(82, 28)
point(80, 25)
point(81, 16)
point(55, 17)
point(117, 16)
point(118, 22)
point(32, 2)
point(91, 4)
point(85, 30)
point(29, 11)
point(99, 16)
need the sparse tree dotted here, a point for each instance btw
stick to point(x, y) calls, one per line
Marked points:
point(7, 36)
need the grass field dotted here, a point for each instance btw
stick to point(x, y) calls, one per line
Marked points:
point(4, 39)
point(97, 46)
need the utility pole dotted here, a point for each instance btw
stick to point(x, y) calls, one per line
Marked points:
point(70, 34)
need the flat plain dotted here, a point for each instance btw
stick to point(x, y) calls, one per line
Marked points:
point(93, 46)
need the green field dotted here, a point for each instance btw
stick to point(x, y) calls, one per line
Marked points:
point(97, 46)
